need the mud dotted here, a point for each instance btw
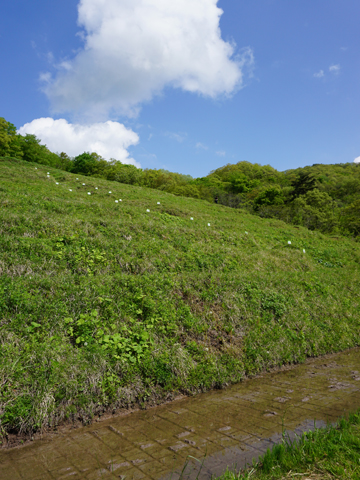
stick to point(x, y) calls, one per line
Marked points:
point(219, 429)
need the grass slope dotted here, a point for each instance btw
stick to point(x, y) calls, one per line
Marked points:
point(104, 304)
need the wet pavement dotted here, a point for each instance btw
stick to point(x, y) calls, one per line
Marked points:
point(222, 428)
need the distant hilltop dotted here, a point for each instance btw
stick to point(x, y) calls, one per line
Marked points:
point(320, 197)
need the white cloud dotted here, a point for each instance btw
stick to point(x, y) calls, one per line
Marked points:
point(134, 48)
point(109, 139)
point(179, 137)
point(201, 146)
point(334, 69)
point(50, 57)
point(357, 160)
point(221, 153)
point(45, 77)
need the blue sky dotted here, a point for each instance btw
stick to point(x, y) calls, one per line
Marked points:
point(278, 84)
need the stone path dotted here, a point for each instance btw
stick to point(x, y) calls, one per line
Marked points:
point(220, 428)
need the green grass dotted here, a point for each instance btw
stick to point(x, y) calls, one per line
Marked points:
point(105, 305)
point(329, 453)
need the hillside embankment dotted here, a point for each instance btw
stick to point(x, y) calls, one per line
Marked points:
point(113, 295)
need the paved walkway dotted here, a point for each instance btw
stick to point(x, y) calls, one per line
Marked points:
point(227, 427)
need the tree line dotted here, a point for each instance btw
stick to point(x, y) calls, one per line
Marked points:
point(319, 197)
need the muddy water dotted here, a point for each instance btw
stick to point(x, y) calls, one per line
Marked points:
point(220, 428)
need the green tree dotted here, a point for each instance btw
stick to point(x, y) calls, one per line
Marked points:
point(186, 191)
point(65, 162)
point(85, 163)
point(350, 218)
point(240, 183)
point(303, 184)
point(316, 210)
point(269, 196)
point(35, 152)
point(125, 173)
point(9, 140)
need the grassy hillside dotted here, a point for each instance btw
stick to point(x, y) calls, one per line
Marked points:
point(106, 304)
point(325, 198)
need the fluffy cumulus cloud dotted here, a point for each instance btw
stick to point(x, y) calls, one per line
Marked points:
point(357, 160)
point(135, 48)
point(108, 139)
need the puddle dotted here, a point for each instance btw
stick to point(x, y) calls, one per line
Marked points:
point(220, 428)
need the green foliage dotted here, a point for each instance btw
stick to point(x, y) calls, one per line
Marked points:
point(17, 411)
point(33, 151)
point(125, 174)
point(316, 211)
point(167, 218)
point(303, 184)
point(79, 256)
point(274, 303)
point(9, 140)
point(270, 196)
point(90, 331)
point(85, 164)
point(240, 183)
point(350, 218)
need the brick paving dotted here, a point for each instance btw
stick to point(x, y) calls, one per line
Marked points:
point(221, 428)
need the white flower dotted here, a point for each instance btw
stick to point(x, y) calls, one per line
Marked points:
point(191, 218)
point(35, 168)
point(246, 233)
point(48, 173)
point(70, 190)
point(110, 191)
point(57, 183)
point(84, 184)
point(206, 349)
point(96, 188)
point(116, 201)
point(209, 225)
point(148, 210)
point(89, 193)
point(120, 200)
point(289, 243)
point(85, 344)
point(158, 203)
point(304, 250)
point(77, 179)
